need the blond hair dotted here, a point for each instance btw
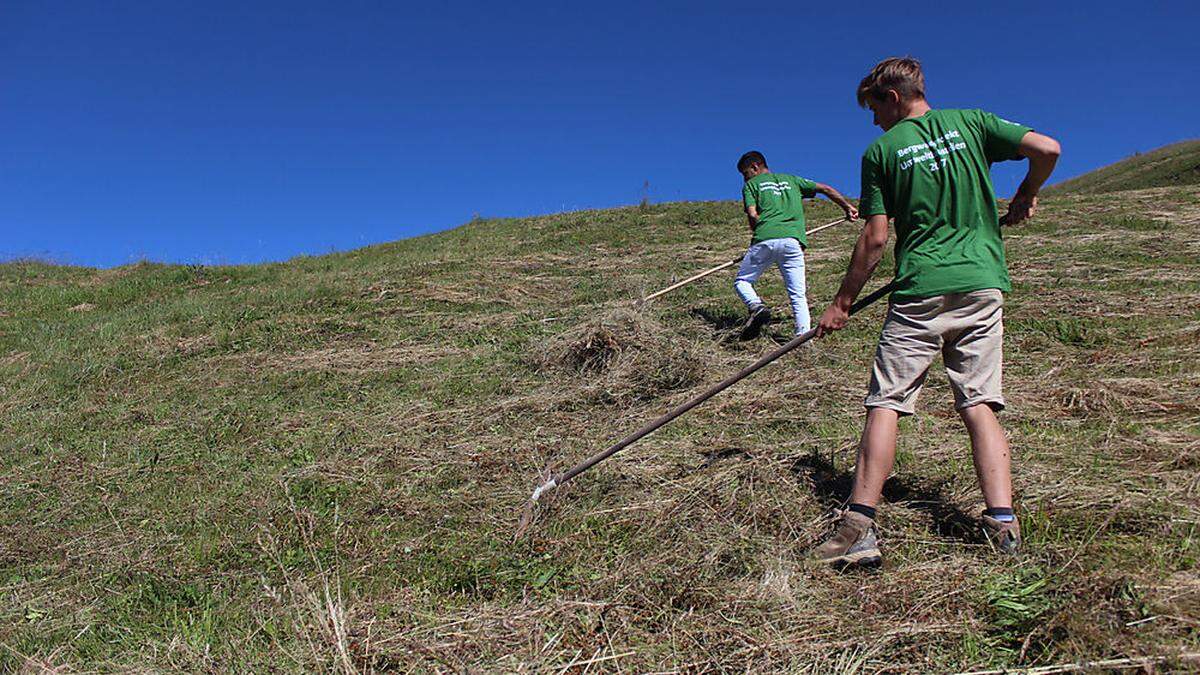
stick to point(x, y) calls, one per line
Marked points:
point(902, 73)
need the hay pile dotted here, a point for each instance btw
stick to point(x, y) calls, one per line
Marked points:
point(622, 357)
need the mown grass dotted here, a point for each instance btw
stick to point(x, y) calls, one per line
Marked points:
point(1177, 164)
point(318, 464)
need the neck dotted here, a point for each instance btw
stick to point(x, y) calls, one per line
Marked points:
point(915, 108)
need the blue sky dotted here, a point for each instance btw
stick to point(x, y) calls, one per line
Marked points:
point(221, 132)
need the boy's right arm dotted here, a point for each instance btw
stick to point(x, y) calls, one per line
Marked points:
point(868, 250)
point(752, 216)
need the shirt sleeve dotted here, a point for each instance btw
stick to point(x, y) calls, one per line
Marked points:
point(807, 187)
point(749, 198)
point(1001, 138)
point(870, 201)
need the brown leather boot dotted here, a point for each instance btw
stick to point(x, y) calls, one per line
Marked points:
point(854, 544)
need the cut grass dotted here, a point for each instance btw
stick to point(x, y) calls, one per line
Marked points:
point(1177, 164)
point(317, 465)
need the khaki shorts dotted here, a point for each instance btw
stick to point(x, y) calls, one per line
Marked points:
point(967, 328)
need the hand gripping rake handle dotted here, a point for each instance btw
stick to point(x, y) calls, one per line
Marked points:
point(560, 479)
point(718, 268)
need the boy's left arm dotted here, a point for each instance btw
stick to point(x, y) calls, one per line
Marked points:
point(750, 205)
point(837, 198)
point(1042, 153)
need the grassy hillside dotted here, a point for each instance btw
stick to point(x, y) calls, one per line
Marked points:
point(1171, 165)
point(318, 464)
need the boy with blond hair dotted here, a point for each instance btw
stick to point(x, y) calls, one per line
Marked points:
point(930, 171)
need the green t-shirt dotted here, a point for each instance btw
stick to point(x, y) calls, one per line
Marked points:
point(932, 174)
point(778, 197)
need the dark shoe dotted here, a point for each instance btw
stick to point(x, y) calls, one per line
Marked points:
point(759, 317)
point(1004, 537)
point(854, 544)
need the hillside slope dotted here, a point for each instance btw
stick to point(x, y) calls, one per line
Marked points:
point(1171, 165)
point(318, 464)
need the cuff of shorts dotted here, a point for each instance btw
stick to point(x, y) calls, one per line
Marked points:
point(995, 402)
point(889, 405)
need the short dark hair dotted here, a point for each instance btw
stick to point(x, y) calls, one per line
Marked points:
point(900, 73)
point(752, 157)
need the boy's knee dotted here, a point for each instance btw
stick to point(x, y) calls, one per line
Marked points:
point(980, 411)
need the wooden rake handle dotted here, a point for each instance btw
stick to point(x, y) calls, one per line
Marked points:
point(718, 268)
point(694, 277)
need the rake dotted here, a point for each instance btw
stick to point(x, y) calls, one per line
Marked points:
point(558, 480)
point(718, 268)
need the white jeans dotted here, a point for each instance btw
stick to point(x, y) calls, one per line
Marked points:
point(790, 257)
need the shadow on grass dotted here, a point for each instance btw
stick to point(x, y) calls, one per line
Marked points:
point(727, 326)
point(720, 320)
point(830, 484)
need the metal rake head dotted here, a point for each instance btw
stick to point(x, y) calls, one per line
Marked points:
point(530, 510)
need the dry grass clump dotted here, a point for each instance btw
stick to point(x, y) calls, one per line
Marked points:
point(622, 356)
point(1108, 396)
